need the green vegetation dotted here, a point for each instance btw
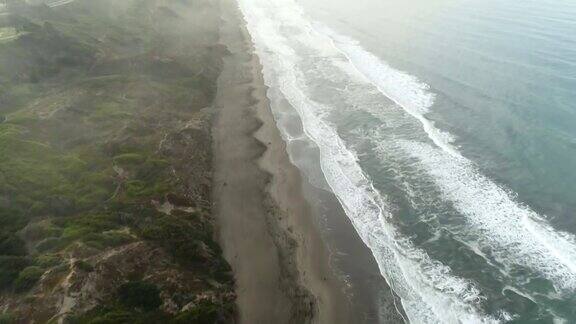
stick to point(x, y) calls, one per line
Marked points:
point(11, 244)
point(138, 302)
point(10, 267)
point(7, 318)
point(88, 96)
point(27, 278)
point(48, 260)
point(140, 295)
point(204, 313)
point(83, 266)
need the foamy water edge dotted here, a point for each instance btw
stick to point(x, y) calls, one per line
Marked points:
point(428, 291)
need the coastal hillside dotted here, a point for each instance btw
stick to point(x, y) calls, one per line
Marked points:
point(105, 163)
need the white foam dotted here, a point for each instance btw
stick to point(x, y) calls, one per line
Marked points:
point(428, 290)
point(405, 90)
point(519, 234)
point(516, 234)
point(58, 3)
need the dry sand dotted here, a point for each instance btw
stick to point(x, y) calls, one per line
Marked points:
point(281, 264)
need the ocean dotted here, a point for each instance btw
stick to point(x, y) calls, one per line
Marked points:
point(447, 132)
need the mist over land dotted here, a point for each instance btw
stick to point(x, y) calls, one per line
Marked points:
point(287, 161)
point(105, 163)
point(142, 177)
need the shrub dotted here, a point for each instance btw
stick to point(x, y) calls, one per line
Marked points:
point(113, 317)
point(107, 239)
point(41, 230)
point(7, 318)
point(11, 220)
point(10, 267)
point(27, 278)
point(48, 260)
point(10, 244)
point(129, 159)
point(139, 294)
point(84, 266)
point(115, 314)
point(204, 313)
point(50, 243)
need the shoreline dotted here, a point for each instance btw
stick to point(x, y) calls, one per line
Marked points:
point(282, 266)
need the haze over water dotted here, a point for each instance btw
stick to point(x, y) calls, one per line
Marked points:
point(447, 130)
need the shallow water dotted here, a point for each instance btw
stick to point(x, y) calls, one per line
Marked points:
point(447, 131)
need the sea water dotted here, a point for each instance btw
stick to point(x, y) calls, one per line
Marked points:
point(447, 131)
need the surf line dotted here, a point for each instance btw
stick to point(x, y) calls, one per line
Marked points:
point(393, 84)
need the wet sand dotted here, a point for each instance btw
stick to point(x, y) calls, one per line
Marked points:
point(281, 265)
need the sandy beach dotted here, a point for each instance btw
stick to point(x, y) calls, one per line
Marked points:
point(287, 161)
point(281, 265)
point(202, 107)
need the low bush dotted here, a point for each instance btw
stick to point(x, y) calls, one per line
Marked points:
point(48, 260)
point(27, 278)
point(203, 313)
point(129, 159)
point(84, 266)
point(51, 244)
point(7, 318)
point(139, 294)
point(119, 315)
point(10, 267)
point(11, 244)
